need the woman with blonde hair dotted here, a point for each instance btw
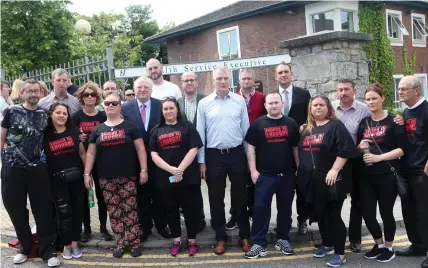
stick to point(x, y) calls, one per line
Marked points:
point(45, 88)
point(17, 86)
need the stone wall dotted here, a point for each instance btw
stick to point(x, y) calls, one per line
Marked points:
point(320, 61)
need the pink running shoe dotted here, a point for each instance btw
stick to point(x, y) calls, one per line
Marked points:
point(175, 249)
point(193, 248)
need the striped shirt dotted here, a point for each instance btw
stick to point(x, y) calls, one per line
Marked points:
point(352, 116)
point(221, 123)
point(190, 108)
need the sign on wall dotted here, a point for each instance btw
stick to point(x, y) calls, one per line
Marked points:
point(207, 66)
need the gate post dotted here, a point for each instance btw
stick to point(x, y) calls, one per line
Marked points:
point(110, 63)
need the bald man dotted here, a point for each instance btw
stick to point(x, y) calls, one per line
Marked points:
point(161, 88)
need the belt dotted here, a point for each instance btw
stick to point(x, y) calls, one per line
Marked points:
point(224, 151)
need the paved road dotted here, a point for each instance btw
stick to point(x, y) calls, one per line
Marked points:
point(233, 258)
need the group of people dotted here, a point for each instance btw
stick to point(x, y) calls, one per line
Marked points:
point(147, 156)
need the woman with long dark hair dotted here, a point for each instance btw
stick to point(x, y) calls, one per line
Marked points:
point(65, 156)
point(174, 145)
point(378, 182)
point(325, 146)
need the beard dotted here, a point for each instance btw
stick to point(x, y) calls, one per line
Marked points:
point(155, 76)
point(33, 100)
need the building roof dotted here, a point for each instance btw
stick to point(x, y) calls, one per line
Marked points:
point(238, 10)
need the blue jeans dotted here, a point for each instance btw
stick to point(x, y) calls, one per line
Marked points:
point(282, 185)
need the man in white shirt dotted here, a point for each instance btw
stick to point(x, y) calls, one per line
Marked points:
point(4, 96)
point(161, 88)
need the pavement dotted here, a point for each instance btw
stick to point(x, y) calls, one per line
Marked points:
point(206, 237)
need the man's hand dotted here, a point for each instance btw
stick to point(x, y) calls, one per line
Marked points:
point(203, 171)
point(255, 176)
point(88, 181)
point(144, 177)
point(302, 127)
point(399, 120)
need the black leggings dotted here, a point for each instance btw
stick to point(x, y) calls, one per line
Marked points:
point(333, 229)
point(380, 189)
point(188, 198)
point(102, 208)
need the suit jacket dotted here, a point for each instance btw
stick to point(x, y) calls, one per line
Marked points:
point(131, 112)
point(299, 105)
point(181, 104)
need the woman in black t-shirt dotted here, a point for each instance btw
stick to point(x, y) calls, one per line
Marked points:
point(325, 146)
point(89, 95)
point(65, 156)
point(118, 150)
point(378, 183)
point(174, 145)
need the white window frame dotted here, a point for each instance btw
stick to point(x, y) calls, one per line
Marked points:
point(403, 31)
point(336, 7)
point(229, 29)
point(397, 102)
point(417, 42)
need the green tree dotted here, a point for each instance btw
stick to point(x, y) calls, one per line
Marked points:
point(409, 65)
point(34, 35)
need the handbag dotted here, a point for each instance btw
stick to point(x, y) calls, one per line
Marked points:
point(402, 185)
point(70, 174)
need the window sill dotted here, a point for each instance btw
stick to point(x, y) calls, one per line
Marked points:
point(396, 43)
point(417, 44)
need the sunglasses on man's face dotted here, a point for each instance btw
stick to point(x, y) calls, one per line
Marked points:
point(114, 103)
point(87, 95)
point(130, 94)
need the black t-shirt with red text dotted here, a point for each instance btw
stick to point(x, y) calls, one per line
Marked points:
point(388, 135)
point(172, 143)
point(273, 140)
point(86, 123)
point(62, 150)
point(416, 126)
point(116, 153)
point(328, 142)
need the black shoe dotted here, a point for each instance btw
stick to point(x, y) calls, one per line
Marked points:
point(165, 232)
point(374, 253)
point(411, 251)
point(386, 255)
point(424, 264)
point(136, 252)
point(86, 236)
point(201, 226)
point(118, 252)
point(145, 236)
point(106, 235)
point(303, 228)
point(355, 247)
point(231, 224)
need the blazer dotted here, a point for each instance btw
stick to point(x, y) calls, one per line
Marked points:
point(299, 105)
point(131, 112)
point(181, 104)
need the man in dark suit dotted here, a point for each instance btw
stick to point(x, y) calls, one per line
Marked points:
point(145, 113)
point(296, 101)
point(188, 108)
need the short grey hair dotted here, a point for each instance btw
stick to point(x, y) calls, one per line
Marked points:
point(60, 71)
point(416, 83)
point(192, 73)
point(223, 70)
point(143, 79)
point(247, 71)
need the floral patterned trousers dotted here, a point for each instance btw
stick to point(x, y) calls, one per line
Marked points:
point(120, 195)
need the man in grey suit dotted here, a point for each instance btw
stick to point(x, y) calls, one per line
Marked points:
point(188, 109)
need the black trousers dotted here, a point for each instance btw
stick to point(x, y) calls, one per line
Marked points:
point(221, 164)
point(415, 211)
point(301, 207)
point(34, 182)
point(68, 198)
point(333, 229)
point(250, 198)
point(187, 197)
point(380, 189)
point(356, 216)
point(102, 208)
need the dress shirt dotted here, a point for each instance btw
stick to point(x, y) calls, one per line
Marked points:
point(352, 116)
point(148, 106)
point(290, 94)
point(417, 104)
point(221, 123)
point(70, 100)
point(190, 108)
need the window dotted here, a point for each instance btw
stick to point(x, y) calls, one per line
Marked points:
point(229, 48)
point(331, 16)
point(395, 27)
point(424, 88)
point(419, 30)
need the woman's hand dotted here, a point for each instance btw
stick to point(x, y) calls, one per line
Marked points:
point(372, 158)
point(331, 177)
point(176, 171)
point(83, 137)
point(178, 179)
point(88, 181)
point(144, 177)
point(364, 144)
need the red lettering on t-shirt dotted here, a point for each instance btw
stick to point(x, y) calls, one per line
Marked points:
point(61, 143)
point(313, 139)
point(377, 131)
point(276, 132)
point(410, 125)
point(112, 135)
point(170, 138)
point(88, 126)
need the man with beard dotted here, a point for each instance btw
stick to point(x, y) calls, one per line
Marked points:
point(188, 108)
point(25, 174)
point(161, 88)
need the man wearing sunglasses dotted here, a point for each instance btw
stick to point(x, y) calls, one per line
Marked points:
point(129, 95)
point(161, 88)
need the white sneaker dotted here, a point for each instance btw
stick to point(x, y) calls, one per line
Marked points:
point(53, 262)
point(19, 258)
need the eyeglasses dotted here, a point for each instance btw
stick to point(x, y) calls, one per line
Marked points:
point(188, 81)
point(31, 92)
point(405, 88)
point(169, 98)
point(114, 103)
point(86, 95)
point(130, 94)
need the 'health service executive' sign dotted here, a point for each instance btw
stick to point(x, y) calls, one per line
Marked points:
point(206, 66)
